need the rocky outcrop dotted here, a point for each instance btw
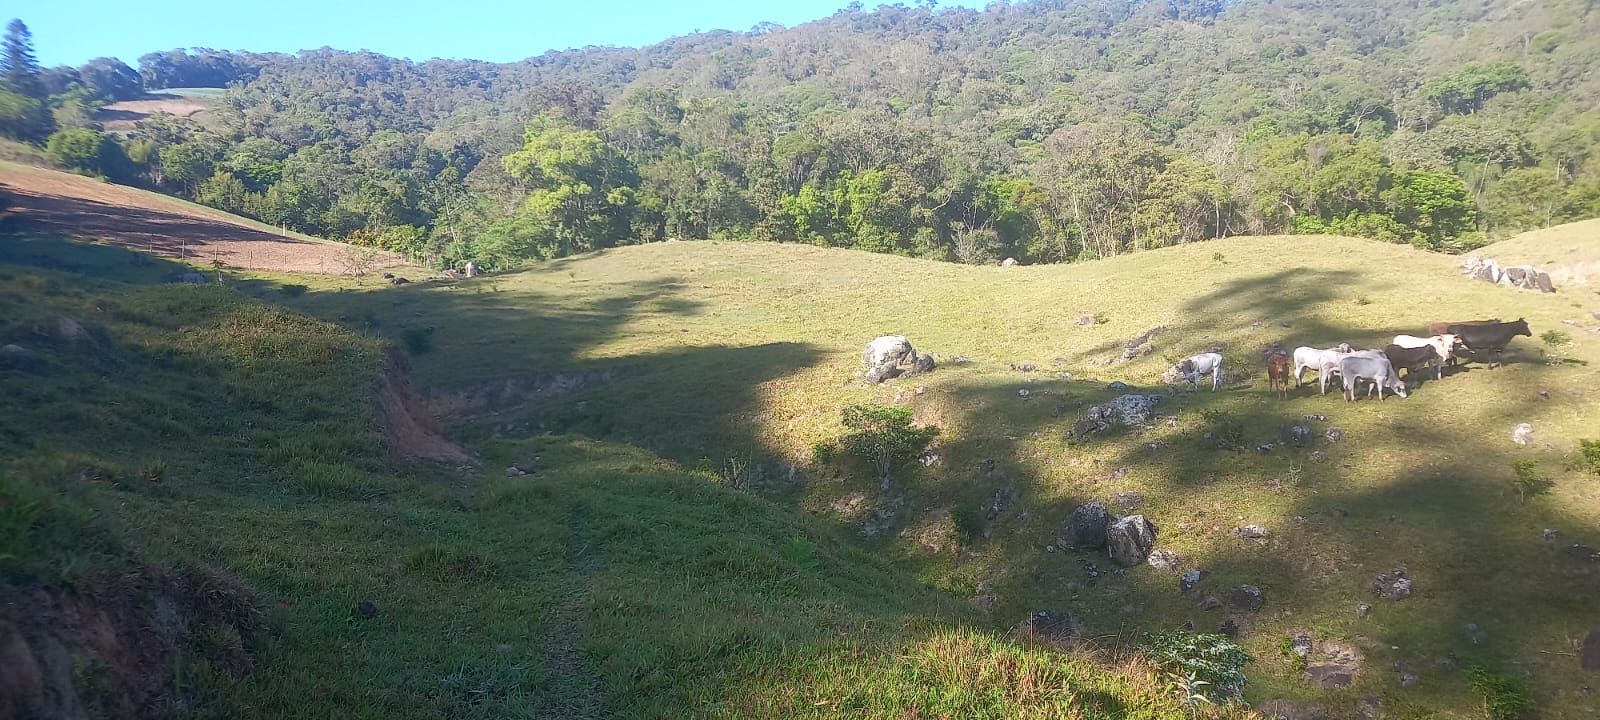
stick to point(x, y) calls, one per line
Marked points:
point(1526, 277)
point(1131, 539)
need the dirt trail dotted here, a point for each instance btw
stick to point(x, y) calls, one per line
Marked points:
point(410, 429)
point(54, 203)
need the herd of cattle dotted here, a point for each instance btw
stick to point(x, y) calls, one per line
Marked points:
point(1380, 367)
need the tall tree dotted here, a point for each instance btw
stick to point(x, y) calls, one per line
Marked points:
point(19, 71)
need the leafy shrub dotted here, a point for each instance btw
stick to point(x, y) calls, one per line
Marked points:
point(1504, 697)
point(1528, 482)
point(1210, 665)
point(1555, 338)
point(969, 521)
point(1223, 430)
point(1590, 450)
point(884, 436)
point(417, 340)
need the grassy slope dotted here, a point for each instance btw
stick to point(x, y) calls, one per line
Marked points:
point(1569, 252)
point(197, 428)
point(749, 350)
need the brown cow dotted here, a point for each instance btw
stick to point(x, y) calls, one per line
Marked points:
point(1278, 374)
point(1442, 328)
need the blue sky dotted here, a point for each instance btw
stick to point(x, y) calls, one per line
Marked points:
point(68, 33)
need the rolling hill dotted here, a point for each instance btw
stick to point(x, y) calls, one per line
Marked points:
point(687, 538)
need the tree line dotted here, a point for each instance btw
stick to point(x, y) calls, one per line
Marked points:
point(1050, 131)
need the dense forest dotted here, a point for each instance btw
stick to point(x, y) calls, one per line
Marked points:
point(1051, 131)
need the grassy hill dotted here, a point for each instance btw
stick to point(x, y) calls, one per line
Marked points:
point(202, 513)
point(741, 355)
point(1569, 252)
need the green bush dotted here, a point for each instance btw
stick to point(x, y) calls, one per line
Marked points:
point(1527, 482)
point(1590, 450)
point(1210, 665)
point(884, 436)
point(1504, 697)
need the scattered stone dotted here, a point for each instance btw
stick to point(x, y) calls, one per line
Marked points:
point(1126, 410)
point(1264, 448)
point(1408, 680)
point(883, 372)
point(1298, 436)
point(1229, 627)
point(1551, 533)
point(1247, 597)
point(1126, 500)
point(1392, 585)
point(1522, 434)
point(1190, 580)
point(1582, 552)
point(1049, 548)
point(1165, 560)
point(1087, 527)
point(1154, 445)
point(1024, 392)
point(1131, 539)
point(1301, 643)
point(1363, 610)
point(1315, 417)
point(1475, 634)
point(1024, 367)
point(1085, 319)
point(1334, 434)
point(388, 276)
point(1008, 262)
point(923, 364)
point(514, 471)
point(1526, 277)
point(1544, 394)
point(366, 609)
point(1003, 498)
point(1051, 626)
point(1117, 386)
point(919, 390)
point(1210, 602)
point(1252, 532)
point(1333, 665)
point(961, 360)
point(1589, 656)
point(1092, 570)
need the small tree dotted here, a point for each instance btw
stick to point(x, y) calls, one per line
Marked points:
point(884, 436)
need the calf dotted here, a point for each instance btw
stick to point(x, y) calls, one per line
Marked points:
point(1375, 367)
point(1444, 344)
point(1325, 362)
point(1278, 374)
point(1412, 358)
point(1491, 338)
point(1193, 368)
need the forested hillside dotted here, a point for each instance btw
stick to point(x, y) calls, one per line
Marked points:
point(1048, 131)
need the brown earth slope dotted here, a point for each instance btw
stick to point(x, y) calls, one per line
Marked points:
point(47, 202)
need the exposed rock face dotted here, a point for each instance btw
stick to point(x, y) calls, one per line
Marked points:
point(1126, 411)
point(1087, 527)
point(1131, 539)
point(1332, 665)
point(1526, 277)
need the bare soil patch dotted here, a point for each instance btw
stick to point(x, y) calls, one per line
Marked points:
point(54, 203)
point(411, 431)
point(121, 116)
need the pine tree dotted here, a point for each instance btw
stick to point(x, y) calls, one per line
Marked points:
point(19, 71)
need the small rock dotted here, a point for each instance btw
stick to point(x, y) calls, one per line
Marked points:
point(1551, 533)
point(1582, 552)
point(1247, 597)
point(1363, 610)
point(1117, 385)
point(1131, 539)
point(1087, 526)
point(1545, 394)
point(399, 281)
point(1024, 392)
point(1408, 680)
point(13, 349)
point(1190, 580)
point(1264, 448)
point(1522, 434)
point(1165, 560)
point(920, 390)
point(961, 360)
point(1008, 262)
point(1229, 627)
point(1392, 585)
point(65, 328)
point(1300, 644)
point(1154, 445)
point(882, 372)
point(1252, 532)
point(1298, 436)
point(1210, 602)
point(388, 276)
point(1085, 319)
point(1049, 548)
point(1025, 367)
point(1334, 434)
point(514, 471)
point(366, 609)
point(923, 364)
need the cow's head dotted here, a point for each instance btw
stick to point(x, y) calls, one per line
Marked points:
point(1521, 327)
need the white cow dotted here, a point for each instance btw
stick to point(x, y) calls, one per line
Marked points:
point(1372, 365)
point(1325, 362)
point(1192, 369)
point(1444, 344)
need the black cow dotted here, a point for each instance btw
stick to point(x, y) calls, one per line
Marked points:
point(1414, 358)
point(1492, 338)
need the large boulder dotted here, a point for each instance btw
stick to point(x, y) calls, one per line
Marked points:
point(1127, 411)
point(882, 372)
point(1087, 527)
point(1131, 539)
point(892, 349)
